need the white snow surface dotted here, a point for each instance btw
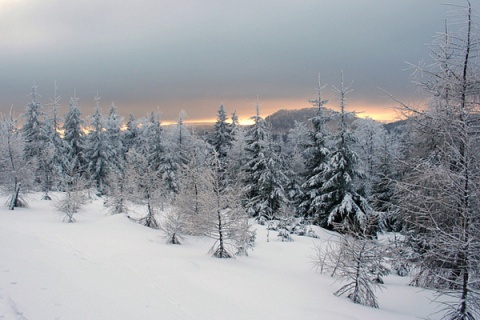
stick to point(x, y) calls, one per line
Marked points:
point(107, 267)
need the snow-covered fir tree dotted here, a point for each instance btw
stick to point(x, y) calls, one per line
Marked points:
point(33, 128)
point(113, 136)
point(117, 179)
point(169, 166)
point(316, 155)
point(369, 134)
point(74, 138)
point(383, 183)
point(265, 178)
point(54, 148)
point(97, 153)
point(222, 137)
point(130, 134)
point(37, 150)
point(144, 175)
point(222, 140)
point(339, 202)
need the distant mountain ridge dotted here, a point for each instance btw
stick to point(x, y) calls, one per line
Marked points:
point(283, 120)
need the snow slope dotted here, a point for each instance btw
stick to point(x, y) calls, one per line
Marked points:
point(106, 267)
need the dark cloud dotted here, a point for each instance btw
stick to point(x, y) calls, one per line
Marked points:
point(184, 54)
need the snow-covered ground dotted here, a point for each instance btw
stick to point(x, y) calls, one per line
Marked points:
point(106, 267)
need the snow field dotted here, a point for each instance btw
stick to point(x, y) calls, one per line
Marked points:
point(107, 267)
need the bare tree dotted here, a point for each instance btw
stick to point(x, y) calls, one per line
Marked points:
point(15, 169)
point(358, 261)
point(440, 197)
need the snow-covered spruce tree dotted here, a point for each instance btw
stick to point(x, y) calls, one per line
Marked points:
point(33, 128)
point(118, 180)
point(121, 143)
point(144, 175)
point(15, 173)
point(169, 166)
point(338, 200)
point(97, 151)
point(222, 140)
point(222, 136)
point(130, 134)
point(297, 140)
point(383, 183)
point(74, 138)
point(237, 154)
point(113, 135)
point(369, 134)
point(153, 148)
point(37, 149)
point(54, 148)
point(265, 179)
point(440, 197)
point(181, 138)
point(316, 156)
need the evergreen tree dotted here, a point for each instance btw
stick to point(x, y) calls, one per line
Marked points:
point(33, 128)
point(120, 144)
point(169, 166)
point(37, 151)
point(97, 151)
point(339, 202)
point(369, 134)
point(383, 184)
point(130, 135)
point(49, 163)
point(144, 162)
point(151, 142)
point(55, 148)
point(222, 137)
point(114, 139)
point(316, 155)
point(74, 138)
point(265, 178)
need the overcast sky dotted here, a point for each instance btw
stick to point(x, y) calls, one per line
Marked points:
point(194, 55)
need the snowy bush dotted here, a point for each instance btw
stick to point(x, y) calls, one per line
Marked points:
point(174, 227)
point(245, 239)
point(71, 203)
point(284, 235)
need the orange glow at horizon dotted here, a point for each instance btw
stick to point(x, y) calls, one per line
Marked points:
point(245, 110)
